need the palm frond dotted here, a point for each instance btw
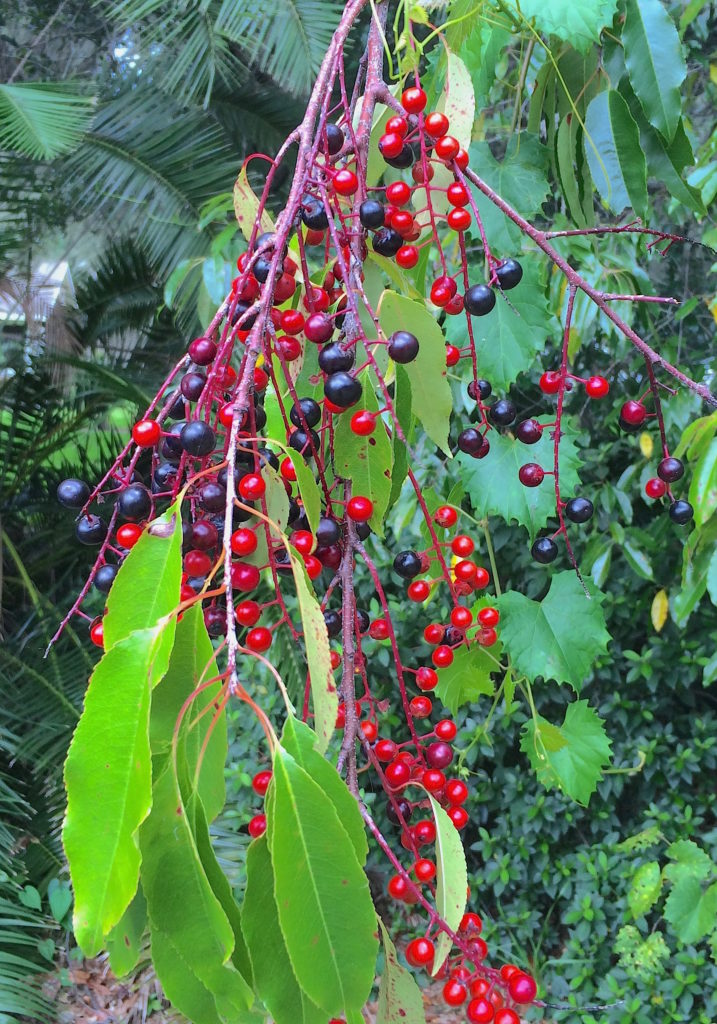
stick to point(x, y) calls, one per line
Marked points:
point(42, 119)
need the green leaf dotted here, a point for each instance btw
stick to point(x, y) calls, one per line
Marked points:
point(644, 889)
point(432, 401)
point(637, 560)
point(467, 678)
point(509, 338)
point(575, 765)
point(308, 490)
point(481, 51)
point(567, 155)
point(59, 896)
point(316, 641)
point(300, 741)
point(543, 640)
point(152, 569)
point(192, 938)
point(366, 461)
point(451, 880)
point(402, 406)
point(43, 119)
point(494, 488)
point(655, 63)
point(577, 24)
point(712, 578)
point(690, 859)
point(703, 486)
point(322, 894)
point(690, 911)
point(612, 148)
point(108, 782)
point(399, 997)
point(274, 977)
point(124, 942)
point(246, 207)
point(192, 661)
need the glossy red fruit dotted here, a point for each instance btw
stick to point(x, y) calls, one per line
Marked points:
point(456, 791)
point(243, 541)
point(433, 633)
point(258, 639)
point(442, 657)
point(439, 754)
point(486, 636)
point(146, 433)
point(292, 321)
point(453, 354)
point(424, 870)
point(397, 124)
point(252, 487)
point(247, 613)
point(385, 750)
point(465, 570)
point(398, 193)
point(446, 148)
point(531, 474)
point(260, 782)
point(397, 774)
point(445, 516)
point(407, 256)
point(257, 826)
point(480, 1010)
point(379, 630)
point(508, 970)
point(433, 780)
point(457, 194)
point(128, 534)
point(436, 124)
point(459, 816)
point(506, 1016)
point(489, 616)
point(390, 145)
point(261, 379)
point(359, 509)
point(345, 182)
point(550, 382)
point(454, 993)
point(426, 679)
point(398, 887)
point(471, 923)
point(303, 541)
point(202, 351)
point(286, 468)
point(481, 579)
point(418, 591)
point(446, 730)
point(597, 387)
point(461, 617)
point(420, 952)
point(413, 100)
point(462, 546)
point(655, 488)
point(462, 158)
point(370, 731)
point(522, 988)
point(421, 707)
point(363, 423)
point(314, 567)
point(459, 219)
point(633, 413)
point(97, 633)
point(197, 563)
point(245, 577)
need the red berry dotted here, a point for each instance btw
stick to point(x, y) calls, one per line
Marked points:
point(597, 387)
point(128, 534)
point(424, 832)
point(522, 988)
point(531, 475)
point(252, 487)
point(489, 616)
point(288, 348)
point(433, 780)
point(550, 382)
point(258, 639)
point(633, 413)
point(314, 567)
point(462, 158)
point(318, 328)
point(436, 125)
point(359, 509)
point(292, 321)
point(426, 679)
point(480, 1011)
point(446, 148)
point(655, 488)
point(363, 423)
point(407, 256)
point(385, 750)
point(378, 630)
point(442, 657)
point(453, 354)
point(97, 633)
point(478, 949)
point(303, 541)
point(414, 100)
point(397, 124)
point(471, 923)
point(424, 870)
point(446, 730)
point(197, 563)
point(243, 541)
point(419, 952)
point(482, 578)
point(261, 379)
point(459, 816)
point(245, 577)
point(439, 754)
point(418, 590)
point(433, 633)
point(461, 617)
point(486, 637)
point(370, 731)
point(345, 182)
point(445, 516)
point(454, 993)
point(506, 1016)
point(456, 791)
point(398, 193)
point(459, 219)
point(421, 707)
point(390, 145)
point(260, 782)
point(465, 570)
point(398, 887)
point(335, 659)
point(457, 194)
point(257, 826)
point(397, 774)
point(247, 613)
point(202, 351)
point(146, 433)
point(462, 546)
point(287, 470)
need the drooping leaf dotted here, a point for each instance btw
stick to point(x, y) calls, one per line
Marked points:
point(366, 461)
point(108, 782)
point(703, 486)
point(124, 942)
point(644, 889)
point(192, 938)
point(467, 678)
point(147, 586)
point(430, 391)
point(274, 977)
point(690, 910)
point(402, 406)
point(655, 63)
point(571, 756)
point(300, 741)
point(399, 997)
point(494, 488)
point(42, 119)
point(543, 640)
point(316, 640)
point(614, 155)
point(246, 208)
point(577, 24)
point(325, 908)
point(451, 880)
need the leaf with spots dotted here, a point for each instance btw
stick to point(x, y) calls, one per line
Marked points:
point(246, 207)
point(451, 881)
point(399, 997)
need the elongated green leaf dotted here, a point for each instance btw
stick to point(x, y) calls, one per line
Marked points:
point(655, 64)
point(192, 661)
point(612, 148)
point(430, 391)
point(402, 406)
point(274, 977)
point(571, 756)
point(124, 942)
point(451, 880)
point(703, 487)
point(309, 491)
point(543, 641)
point(567, 154)
point(399, 997)
point(316, 640)
point(192, 938)
point(108, 782)
point(42, 119)
point(147, 585)
point(322, 895)
point(366, 461)
point(468, 677)
point(300, 741)
point(246, 207)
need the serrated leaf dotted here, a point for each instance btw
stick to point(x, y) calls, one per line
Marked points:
point(274, 977)
point(366, 461)
point(451, 880)
point(325, 908)
point(108, 782)
point(576, 767)
point(577, 24)
point(659, 610)
point(542, 640)
point(690, 859)
point(246, 207)
point(124, 942)
point(644, 889)
point(432, 401)
point(494, 488)
point(614, 155)
point(316, 641)
point(467, 678)
point(399, 997)
point(153, 568)
point(655, 63)
point(690, 911)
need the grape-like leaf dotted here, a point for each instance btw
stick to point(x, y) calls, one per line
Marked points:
point(467, 678)
point(571, 756)
point(579, 24)
point(690, 911)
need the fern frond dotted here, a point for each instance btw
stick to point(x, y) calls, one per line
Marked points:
point(43, 119)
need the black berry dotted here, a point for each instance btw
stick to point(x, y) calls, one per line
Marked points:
point(503, 412)
point(544, 550)
point(73, 493)
point(387, 242)
point(479, 389)
point(479, 300)
point(372, 214)
point(529, 431)
point(407, 564)
point(197, 438)
point(509, 274)
point(681, 512)
point(310, 410)
point(670, 470)
point(403, 347)
point(334, 138)
point(91, 530)
point(579, 510)
point(328, 532)
point(332, 358)
point(135, 502)
point(192, 385)
point(105, 577)
point(342, 390)
point(333, 622)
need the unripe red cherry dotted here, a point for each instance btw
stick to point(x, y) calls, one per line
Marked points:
point(258, 639)
point(633, 413)
point(288, 348)
point(436, 124)
point(359, 509)
point(486, 636)
point(433, 633)
point(261, 379)
point(303, 541)
point(433, 780)
point(489, 616)
point(506, 1016)
point(413, 100)
point(397, 774)
point(390, 145)
point(287, 470)
point(370, 731)
point(363, 423)
point(453, 354)
point(247, 613)
point(260, 782)
point(345, 182)
point(146, 433)
point(421, 707)
point(245, 577)
point(456, 791)
point(439, 754)
point(418, 591)
point(257, 826)
point(397, 124)
point(522, 988)
point(442, 657)
point(398, 887)
point(597, 387)
point(407, 256)
point(462, 158)
point(461, 617)
point(314, 567)
point(531, 474)
point(318, 328)
point(481, 579)
point(550, 382)
point(424, 832)
point(292, 321)
point(458, 219)
point(445, 516)
point(252, 487)
point(465, 570)
point(477, 948)
point(446, 730)
point(471, 923)
point(378, 630)
point(385, 750)
point(197, 563)
point(424, 870)
point(446, 148)
point(459, 816)
point(398, 193)
point(420, 952)
point(480, 1010)
point(655, 488)
point(97, 633)
point(243, 541)
point(462, 546)
point(457, 194)
point(426, 679)
point(128, 534)
point(202, 351)
point(454, 993)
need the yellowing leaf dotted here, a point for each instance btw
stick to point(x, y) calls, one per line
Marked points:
point(246, 207)
point(659, 610)
point(647, 445)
